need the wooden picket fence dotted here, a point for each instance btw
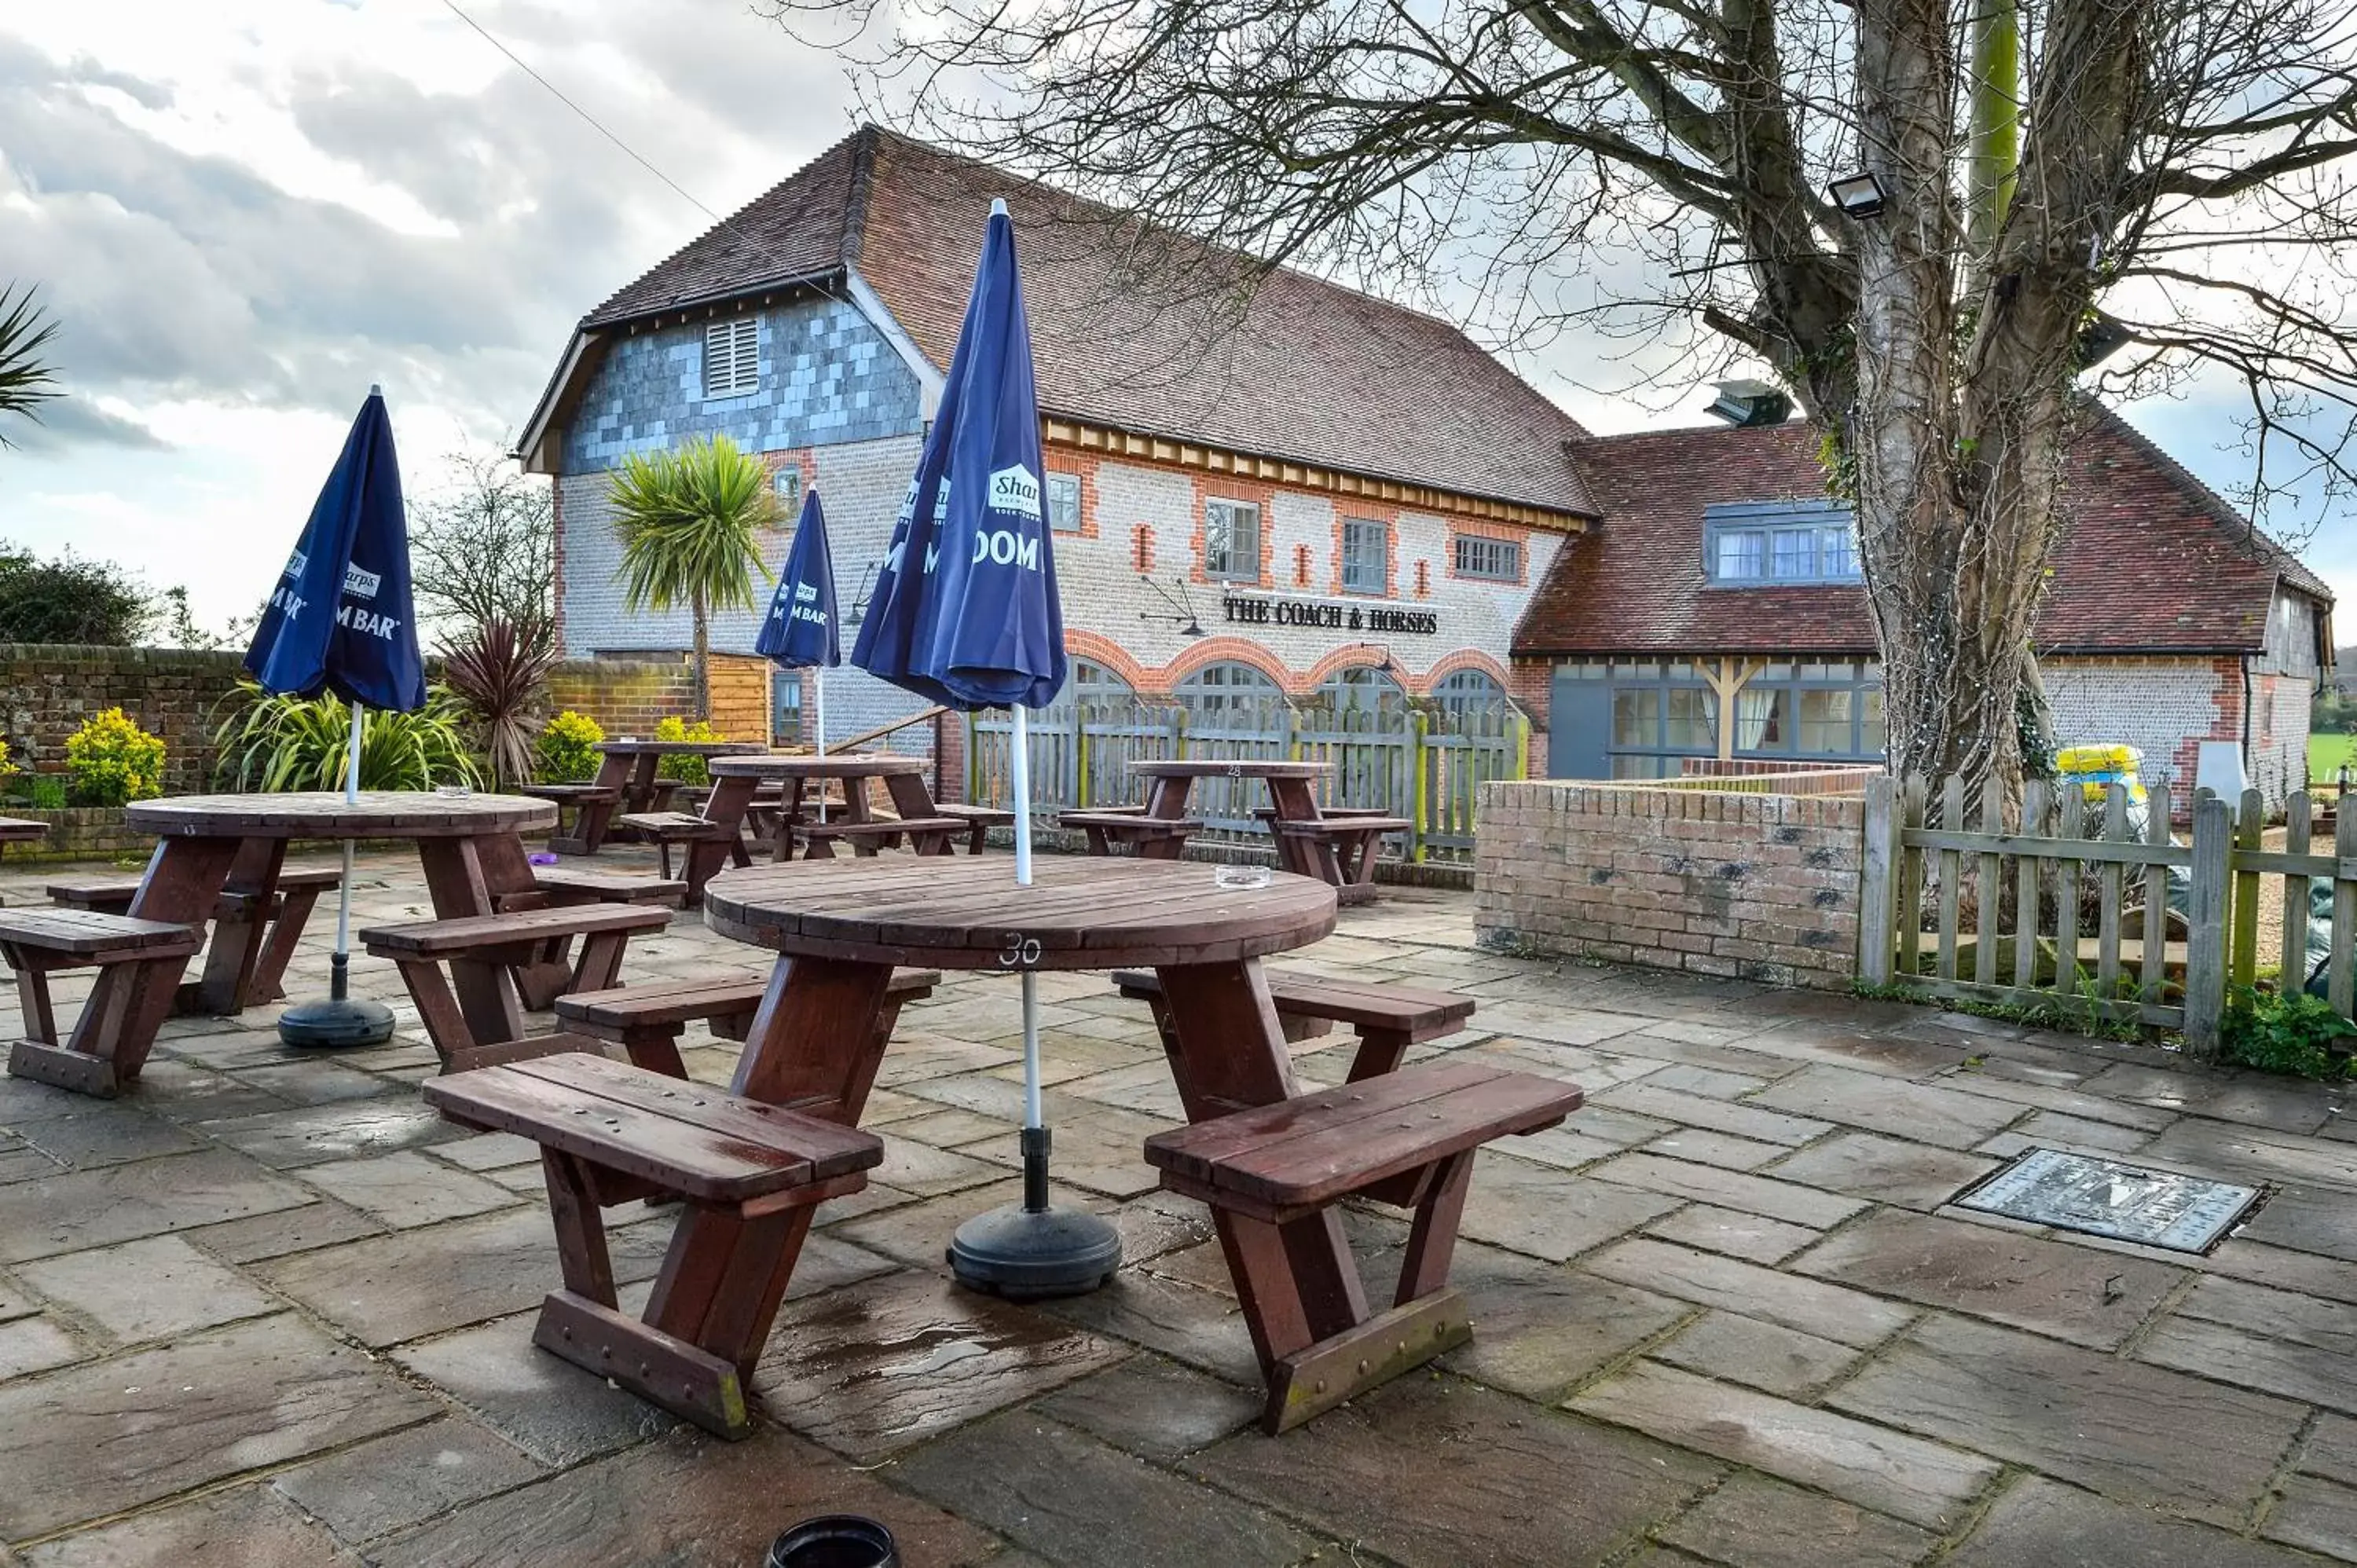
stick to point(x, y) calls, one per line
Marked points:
point(1999, 911)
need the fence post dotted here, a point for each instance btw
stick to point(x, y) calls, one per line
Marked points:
point(1875, 936)
point(1419, 767)
point(1522, 731)
point(2207, 910)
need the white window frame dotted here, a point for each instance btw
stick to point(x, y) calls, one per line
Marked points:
point(1235, 561)
point(1063, 515)
point(1381, 535)
point(732, 356)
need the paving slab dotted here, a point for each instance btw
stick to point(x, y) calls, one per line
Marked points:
point(1548, 1213)
point(2244, 1155)
point(30, 1345)
point(1758, 1522)
point(1075, 1500)
point(122, 1202)
point(687, 1501)
point(103, 1437)
point(382, 1290)
point(1925, 1483)
point(2037, 1524)
point(2331, 1449)
point(289, 1140)
point(550, 1409)
point(1434, 1473)
point(2063, 1101)
point(2074, 1293)
point(2320, 1219)
point(406, 1188)
point(878, 1369)
point(2319, 1515)
point(2296, 1346)
point(2116, 1426)
point(1746, 1235)
point(1827, 1311)
point(2257, 1099)
point(1922, 1112)
point(148, 1289)
point(1539, 1329)
point(1717, 1149)
point(1744, 1120)
point(1887, 1170)
point(249, 1527)
point(2073, 1134)
point(1153, 1408)
point(393, 1483)
point(1200, 1327)
point(1831, 1045)
point(284, 1230)
point(108, 1133)
point(1757, 1354)
point(1763, 1196)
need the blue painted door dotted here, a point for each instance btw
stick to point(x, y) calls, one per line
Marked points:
point(1580, 728)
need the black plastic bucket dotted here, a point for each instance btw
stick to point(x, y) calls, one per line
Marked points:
point(835, 1541)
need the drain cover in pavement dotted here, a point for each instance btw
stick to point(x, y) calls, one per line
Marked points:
point(2103, 1197)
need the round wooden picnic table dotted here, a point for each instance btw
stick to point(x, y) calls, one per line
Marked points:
point(903, 780)
point(841, 927)
point(1289, 794)
point(469, 844)
point(628, 770)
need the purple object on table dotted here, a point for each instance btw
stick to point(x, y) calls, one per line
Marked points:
point(542, 857)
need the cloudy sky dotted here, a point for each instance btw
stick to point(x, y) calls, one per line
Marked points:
point(245, 212)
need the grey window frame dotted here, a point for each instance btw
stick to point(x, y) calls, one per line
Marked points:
point(1250, 571)
point(1506, 549)
point(1763, 522)
point(1071, 482)
point(1382, 530)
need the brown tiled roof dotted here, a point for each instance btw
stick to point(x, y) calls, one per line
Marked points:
point(1305, 370)
point(2151, 560)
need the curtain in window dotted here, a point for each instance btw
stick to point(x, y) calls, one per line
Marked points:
point(1756, 719)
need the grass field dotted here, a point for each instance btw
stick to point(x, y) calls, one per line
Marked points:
point(2327, 753)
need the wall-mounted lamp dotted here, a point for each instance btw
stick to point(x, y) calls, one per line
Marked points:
point(1744, 403)
point(1181, 613)
point(858, 611)
point(1385, 667)
point(1859, 196)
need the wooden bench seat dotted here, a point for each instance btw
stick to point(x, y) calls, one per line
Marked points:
point(927, 835)
point(21, 830)
point(569, 886)
point(665, 828)
point(582, 800)
point(492, 1029)
point(1341, 849)
point(235, 913)
point(1154, 838)
point(139, 963)
point(1387, 1018)
point(648, 1020)
point(1407, 1137)
point(748, 1175)
point(979, 821)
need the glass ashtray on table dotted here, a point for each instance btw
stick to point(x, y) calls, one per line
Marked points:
point(1240, 876)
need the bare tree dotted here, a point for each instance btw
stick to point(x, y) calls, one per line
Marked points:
point(485, 550)
point(2059, 180)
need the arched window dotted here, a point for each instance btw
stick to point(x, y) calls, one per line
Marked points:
point(1466, 692)
point(1361, 689)
point(1093, 690)
point(1222, 688)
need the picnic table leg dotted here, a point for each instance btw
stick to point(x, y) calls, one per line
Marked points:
point(269, 983)
point(235, 955)
point(1296, 1281)
point(461, 883)
point(129, 1002)
point(725, 808)
point(593, 816)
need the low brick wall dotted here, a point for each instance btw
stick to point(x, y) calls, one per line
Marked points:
point(46, 691)
point(630, 696)
point(1762, 886)
point(76, 832)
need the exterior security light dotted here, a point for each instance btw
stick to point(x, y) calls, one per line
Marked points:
point(1750, 402)
point(1859, 196)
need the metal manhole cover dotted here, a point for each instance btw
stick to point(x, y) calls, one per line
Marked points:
point(2103, 1197)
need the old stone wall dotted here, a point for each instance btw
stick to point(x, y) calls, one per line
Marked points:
point(1761, 886)
point(48, 690)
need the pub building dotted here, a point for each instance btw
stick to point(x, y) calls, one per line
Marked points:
point(1324, 504)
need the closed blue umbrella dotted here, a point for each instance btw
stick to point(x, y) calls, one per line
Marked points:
point(341, 620)
point(965, 613)
point(800, 632)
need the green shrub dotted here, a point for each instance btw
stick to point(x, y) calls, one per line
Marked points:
point(686, 770)
point(45, 792)
point(7, 770)
point(567, 750)
point(2288, 1033)
point(111, 761)
point(271, 743)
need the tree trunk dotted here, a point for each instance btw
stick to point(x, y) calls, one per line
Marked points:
point(703, 693)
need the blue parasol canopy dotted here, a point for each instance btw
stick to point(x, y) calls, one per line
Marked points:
point(801, 628)
point(966, 610)
point(340, 619)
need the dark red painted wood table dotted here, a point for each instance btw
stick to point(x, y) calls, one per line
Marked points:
point(1291, 790)
point(736, 780)
point(842, 927)
point(470, 844)
point(627, 767)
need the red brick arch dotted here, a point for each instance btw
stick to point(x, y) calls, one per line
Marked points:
point(1229, 651)
point(1465, 658)
point(1098, 649)
point(1353, 656)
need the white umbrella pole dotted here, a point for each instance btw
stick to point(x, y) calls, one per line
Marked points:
point(818, 704)
point(1020, 765)
point(338, 990)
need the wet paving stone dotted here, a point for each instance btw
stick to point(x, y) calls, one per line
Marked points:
point(1914, 1111)
point(2080, 1294)
point(249, 1527)
point(406, 1190)
point(687, 1501)
point(1551, 1214)
point(2307, 1219)
point(395, 1482)
point(1434, 1473)
point(1763, 1196)
point(100, 1438)
point(1717, 1149)
point(1756, 1355)
point(1827, 1311)
point(1537, 1329)
point(2244, 1155)
point(30, 1345)
point(2037, 1524)
point(289, 1140)
point(2318, 1515)
point(148, 1289)
point(1923, 1482)
point(2272, 1340)
point(2072, 1135)
point(1074, 1500)
point(546, 1406)
point(274, 1235)
point(106, 1136)
point(2116, 1426)
point(1746, 1235)
point(1887, 1170)
point(1747, 1120)
point(1152, 1408)
point(147, 1197)
point(382, 1290)
point(1763, 1523)
point(2253, 1098)
point(2331, 1450)
point(888, 1364)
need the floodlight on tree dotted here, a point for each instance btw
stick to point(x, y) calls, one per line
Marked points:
point(1859, 196)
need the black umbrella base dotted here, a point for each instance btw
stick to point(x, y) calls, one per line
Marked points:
point(338, 1024)
point(1032, 1254)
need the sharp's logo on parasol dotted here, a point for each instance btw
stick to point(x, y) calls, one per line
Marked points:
point(1016, 490)
point(360, 582)
point(295, 562)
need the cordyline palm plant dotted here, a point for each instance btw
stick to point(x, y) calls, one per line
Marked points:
point(26, 380)
point(497, 671)
point(272, 742)
point(687, 521)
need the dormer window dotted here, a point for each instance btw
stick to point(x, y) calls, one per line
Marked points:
point(732, 356)
point(1779, 543)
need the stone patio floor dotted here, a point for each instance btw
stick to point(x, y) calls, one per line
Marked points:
point(270, 1311)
